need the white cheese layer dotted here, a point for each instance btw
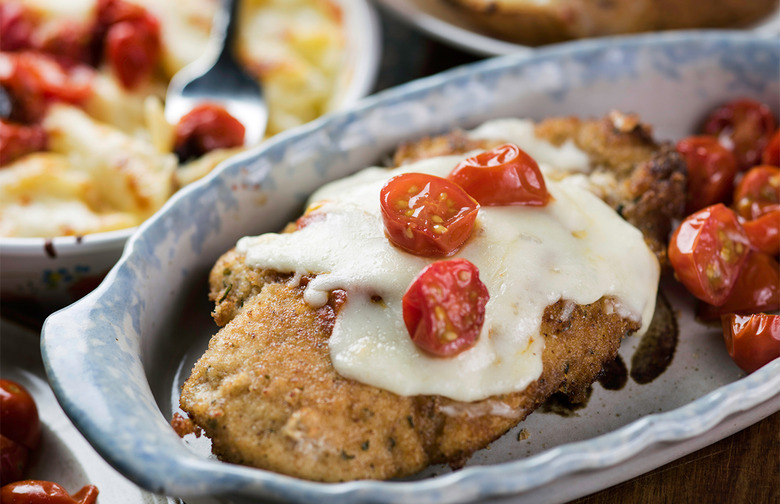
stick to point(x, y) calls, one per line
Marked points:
point(576, 248)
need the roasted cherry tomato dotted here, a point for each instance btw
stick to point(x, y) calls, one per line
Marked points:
point(504, 175)
point(757, 289)
point(13, 460)
point(758, 192)
point(771, 155)
point(426, 215)
point(752, 340)
point(19, 415)
point(764, 232)
point(32, 80)
point(205, 128)
point(707, 252)
point(444, 308)
point(45, 492)
point(711, 171)
point(17, 24)
point(743, 126)
point(133, 50)
point(17, 140)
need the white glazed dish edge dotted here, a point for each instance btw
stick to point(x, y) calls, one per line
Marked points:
point(55, 272)
point(439, 21)
point(108, 353)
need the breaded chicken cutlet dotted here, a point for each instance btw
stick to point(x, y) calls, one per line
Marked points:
point(266, 391)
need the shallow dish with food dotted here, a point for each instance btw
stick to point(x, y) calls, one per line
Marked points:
point(125, 349)
point(68, 210)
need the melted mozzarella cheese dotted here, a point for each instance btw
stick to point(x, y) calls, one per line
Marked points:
point(576, 248)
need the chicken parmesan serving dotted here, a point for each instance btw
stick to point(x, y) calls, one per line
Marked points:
point(414, 314)
point(84, 144)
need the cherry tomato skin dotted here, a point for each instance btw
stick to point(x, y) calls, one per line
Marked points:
point(426, 215)
point(501, 176)
point(764, 232)
point(17, 25)
point(758, 192)
point(17, 140)
point(744, 126)
point(771, 155)
point(13, 460)
point(711, 171)
point(707, 252)
point(205, 128)
point(444, 308)
point(752, 340)
point(45, 492)
point(20, 415)
point(133, 49)
point(757, 289)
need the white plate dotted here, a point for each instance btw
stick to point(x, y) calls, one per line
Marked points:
point(117, 358)
point(440, 21)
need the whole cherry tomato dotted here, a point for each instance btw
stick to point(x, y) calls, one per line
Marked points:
point(17, 140)
point(744, 126)
point(771, 155)
point(33, 79)
point(711, 171)
point(426, 215)
point(13, 460)
point(205, 128)
point(19, 415)
point(504, 175)
point(45, 492)
point(758, 192)
point(444, 308)
point(707, 252)
point(752, 340)
point(764, 232)
point(756, 289)
point(17, 24)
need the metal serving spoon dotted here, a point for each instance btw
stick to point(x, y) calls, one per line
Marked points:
point(217, 78)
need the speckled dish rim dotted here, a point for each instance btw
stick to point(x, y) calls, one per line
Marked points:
point(183, 474)
point(365, 69)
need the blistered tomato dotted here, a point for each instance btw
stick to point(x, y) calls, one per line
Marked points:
point(45, 492)
point(771, 155)
point(16, 140)
point(752, 340)
point(707, 252)
point(205, 128)
point(758, 192)
point(13, 460)
point(711, 171)
point(19, 414)
point(504, 175)
point(744, 126)
point(426, 215)
point(756, 289)
point(764, 232)
point(444, 308)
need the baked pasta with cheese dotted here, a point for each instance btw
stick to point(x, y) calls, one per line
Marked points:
point(350, 349)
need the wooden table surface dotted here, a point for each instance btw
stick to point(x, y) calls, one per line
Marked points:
point(742, 468)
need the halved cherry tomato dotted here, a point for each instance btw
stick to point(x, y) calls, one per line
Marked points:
point(205, 128)
point(444, 308)
point(743, 126)
point(757, 289)
point(758, 192)
point(19, 415)
point(427, 215)
point(504, 175)
point(752, 340)
point(771, 155)
point(13, 460)
point(707, 252)
point(33, 79)
point(764, 232)
point(45, 492)
point(17, 140)
point(711, 171)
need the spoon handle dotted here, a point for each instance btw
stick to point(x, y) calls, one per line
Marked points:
point(225, 26)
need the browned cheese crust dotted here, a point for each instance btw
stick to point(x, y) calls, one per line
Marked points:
point(649, 179)
point(534, 23)
point(267, 395)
